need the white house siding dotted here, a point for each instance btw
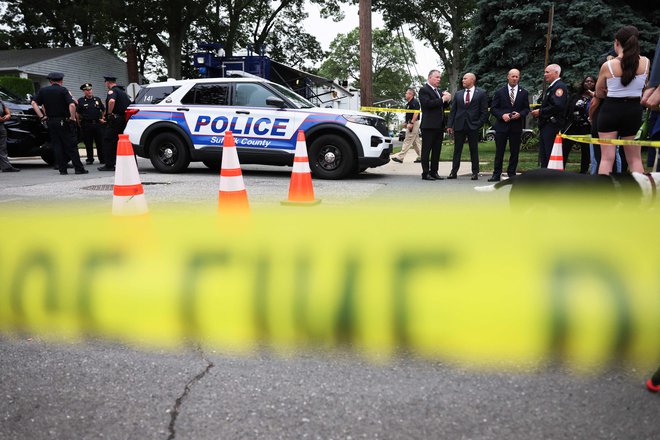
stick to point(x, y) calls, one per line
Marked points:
point(89, 65)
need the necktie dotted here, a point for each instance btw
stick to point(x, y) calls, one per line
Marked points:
point(437, 93)
point(512, 96)
point(467, 97)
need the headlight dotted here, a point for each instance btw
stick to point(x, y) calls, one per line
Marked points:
point(17, 112)
point(359, 119)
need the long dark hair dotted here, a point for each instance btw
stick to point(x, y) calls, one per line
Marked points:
point(628, 38)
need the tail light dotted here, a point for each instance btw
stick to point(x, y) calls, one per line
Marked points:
point(130, 112)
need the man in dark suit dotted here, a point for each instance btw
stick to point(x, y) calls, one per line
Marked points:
point(433, 102)
point(510, 106)
point(469, 112)
point(552, 114)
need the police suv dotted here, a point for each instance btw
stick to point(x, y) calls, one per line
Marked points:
point(176, 122)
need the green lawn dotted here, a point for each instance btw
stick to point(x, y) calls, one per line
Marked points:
point(527, 160)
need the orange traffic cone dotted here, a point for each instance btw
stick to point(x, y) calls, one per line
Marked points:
point(301, 191)
point(232, 195)
point(128, 198)
point(556, 161)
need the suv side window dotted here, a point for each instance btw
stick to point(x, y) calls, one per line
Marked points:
point(251, 95)
point(154, 95)
point(207, 94)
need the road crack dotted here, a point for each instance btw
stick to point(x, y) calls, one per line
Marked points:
point(174, 413)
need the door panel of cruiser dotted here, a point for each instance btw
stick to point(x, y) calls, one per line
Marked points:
point(205, 108)
point(256, 125)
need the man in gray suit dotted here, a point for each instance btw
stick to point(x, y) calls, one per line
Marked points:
point(469, 112)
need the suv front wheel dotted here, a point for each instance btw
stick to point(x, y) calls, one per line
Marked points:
point(330, 157)
point(168, 153)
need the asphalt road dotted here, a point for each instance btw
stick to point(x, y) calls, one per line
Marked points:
point(99, 389)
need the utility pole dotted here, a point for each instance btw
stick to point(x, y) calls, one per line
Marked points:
point(366, 93)
point(548, 41)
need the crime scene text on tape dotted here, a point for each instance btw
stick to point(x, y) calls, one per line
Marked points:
point(586, 139)
point(479, 286)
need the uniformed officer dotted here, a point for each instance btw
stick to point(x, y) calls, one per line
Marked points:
point(116, 103)
point(552, 114)
point(59, 112)
point(91, 114)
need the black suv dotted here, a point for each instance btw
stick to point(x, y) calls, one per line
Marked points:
point(26, 136)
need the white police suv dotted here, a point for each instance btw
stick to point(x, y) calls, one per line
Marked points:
point(176, 122)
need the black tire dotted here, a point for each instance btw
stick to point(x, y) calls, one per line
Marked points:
point(213, 164)
point(490, 137)
point(526, 136)
point(168, 153)
point(48, 155)
point(330, 157)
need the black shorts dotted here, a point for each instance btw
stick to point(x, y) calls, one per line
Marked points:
point(623, 115)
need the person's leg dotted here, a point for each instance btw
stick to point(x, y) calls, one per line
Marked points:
point(427, 139)
point(546, 140)
point(515, 139)
point(416, 142)
point(407, 143)
point(87, 132)
point(473, 142)
point(607, 153)
point(435, 150)
point(633, 154)
point(566, 146)
point(593, 166)
point(500, 147)
point(584, 158)
point(4, 158)
point(459, 140)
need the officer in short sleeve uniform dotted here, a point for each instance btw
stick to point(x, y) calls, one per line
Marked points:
point(116, 103)
point(55, 105)
point(552, 114)
point(91, 116)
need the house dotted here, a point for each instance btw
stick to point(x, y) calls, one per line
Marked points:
point(79, 65)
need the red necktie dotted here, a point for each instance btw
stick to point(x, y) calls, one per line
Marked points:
point(467, 97)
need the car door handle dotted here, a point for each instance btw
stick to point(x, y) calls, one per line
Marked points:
point(183, 109)
point(242, 112)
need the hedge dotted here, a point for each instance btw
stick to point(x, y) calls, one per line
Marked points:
point(20, 86)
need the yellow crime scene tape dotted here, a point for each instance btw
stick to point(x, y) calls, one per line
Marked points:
point(388, 110)
point(586, 139)
point(481, 286)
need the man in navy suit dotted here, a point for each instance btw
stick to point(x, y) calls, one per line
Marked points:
point(510, 106)
point(469, 112)
point(552, 114)
point(433, 102)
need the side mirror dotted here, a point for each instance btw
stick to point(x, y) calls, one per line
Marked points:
point(275, 102)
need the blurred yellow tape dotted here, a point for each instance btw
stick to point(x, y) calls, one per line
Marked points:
point(478, 285)
point(586, 139)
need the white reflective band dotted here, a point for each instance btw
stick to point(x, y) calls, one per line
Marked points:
point(126, 172)
point(234, 183)
point(301, 167)
point(301, 149)
point(230, 158)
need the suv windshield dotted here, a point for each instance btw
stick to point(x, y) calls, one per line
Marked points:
point(297, 100)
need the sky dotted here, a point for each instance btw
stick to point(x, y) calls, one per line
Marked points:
point(326, 30)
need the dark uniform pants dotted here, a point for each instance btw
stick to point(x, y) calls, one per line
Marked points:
point(64, 141)
point(547, 133)
point(115, 126)
point(431, 147)
point(92, 133)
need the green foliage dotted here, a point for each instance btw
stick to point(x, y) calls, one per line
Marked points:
point(20, 86)
point(390, 77)
point(512, 33)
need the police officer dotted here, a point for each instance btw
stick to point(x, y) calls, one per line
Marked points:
point(552, 114)
point(59, 112)
point(116, 103)
point(91, 114)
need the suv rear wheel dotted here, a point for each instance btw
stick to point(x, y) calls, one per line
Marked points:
point(168, 153)
point(330, 157)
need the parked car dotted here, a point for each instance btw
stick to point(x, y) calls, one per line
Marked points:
point(527, 134)
point(26, 135)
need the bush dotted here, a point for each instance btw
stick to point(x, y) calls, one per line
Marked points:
point(20, 86)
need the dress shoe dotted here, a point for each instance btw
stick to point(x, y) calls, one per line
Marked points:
point(436, 176)
point(10, 170)
point(89, 161)
point(511, 174)
point(63, 173)
point(69, 165)
point(494, 179)
point(475, 177)
point(427, 177)
point(83, 171)
point(418, 160)
point(451, 176)
point(106, 168)
point(396, 159)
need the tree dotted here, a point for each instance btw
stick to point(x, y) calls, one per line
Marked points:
point(390, 77)
point(511, 34)
point(442, 24)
